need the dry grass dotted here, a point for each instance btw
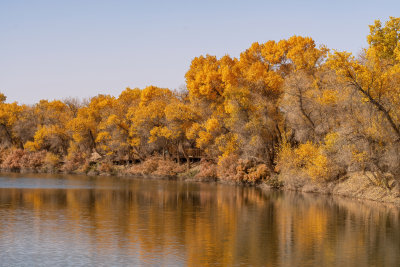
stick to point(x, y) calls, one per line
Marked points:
point(364, 186)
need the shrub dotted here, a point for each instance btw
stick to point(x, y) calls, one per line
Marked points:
point(106, 167)
point(149, 166)
point(13, 160)
point(251, 171)
point(33, 160)
point(226, 169)
point(84, 167)
point(307, 160)
point(208, 170)
point(51, 160)
point(4, 153)
point(75, 160)
point(257, 173)
point(168, 168)
point(242, 170)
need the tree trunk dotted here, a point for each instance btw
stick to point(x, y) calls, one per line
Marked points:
point(186, 157)
point(178, 157)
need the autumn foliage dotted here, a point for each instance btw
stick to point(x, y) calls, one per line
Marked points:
point(288, 107)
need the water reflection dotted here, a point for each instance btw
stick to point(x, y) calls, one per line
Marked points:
point(109, 221)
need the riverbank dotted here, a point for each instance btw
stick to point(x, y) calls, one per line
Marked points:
point(356, 185)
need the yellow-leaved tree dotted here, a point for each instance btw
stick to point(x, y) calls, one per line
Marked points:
point(88, 130)
point(148, 131)
point(10, 114)
point(52, 134)
point(374, 77)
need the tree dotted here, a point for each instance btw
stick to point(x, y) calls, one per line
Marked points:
point(148, 132)
point(10, 113)
point(375, 78)
point(88, 126)
point(51, 127)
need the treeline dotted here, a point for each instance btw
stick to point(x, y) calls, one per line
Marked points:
point(285, 107)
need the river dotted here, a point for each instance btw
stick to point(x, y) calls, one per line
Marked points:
point(67, 220)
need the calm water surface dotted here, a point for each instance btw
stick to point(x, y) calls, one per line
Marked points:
point(102, 221)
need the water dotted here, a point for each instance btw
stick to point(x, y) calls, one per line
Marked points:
point(49, 220)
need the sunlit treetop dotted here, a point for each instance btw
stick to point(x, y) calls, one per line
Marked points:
point(385, 40)
point(2, 98)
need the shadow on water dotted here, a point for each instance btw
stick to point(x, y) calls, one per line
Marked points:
point(79, 220)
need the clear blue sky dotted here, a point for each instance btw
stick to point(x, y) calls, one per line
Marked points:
point(56, 49)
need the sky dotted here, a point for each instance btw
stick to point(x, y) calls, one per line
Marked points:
point(59, 49)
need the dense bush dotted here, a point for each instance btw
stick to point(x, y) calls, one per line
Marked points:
point(13, 160)
point(74, 161)
point(242, 170)
point(207, 170)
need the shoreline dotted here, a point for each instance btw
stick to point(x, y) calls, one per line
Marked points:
point(354, 186)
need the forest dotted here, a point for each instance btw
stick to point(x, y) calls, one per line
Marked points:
point(283, 109)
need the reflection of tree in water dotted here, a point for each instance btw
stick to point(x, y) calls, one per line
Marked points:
point(215, 224)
